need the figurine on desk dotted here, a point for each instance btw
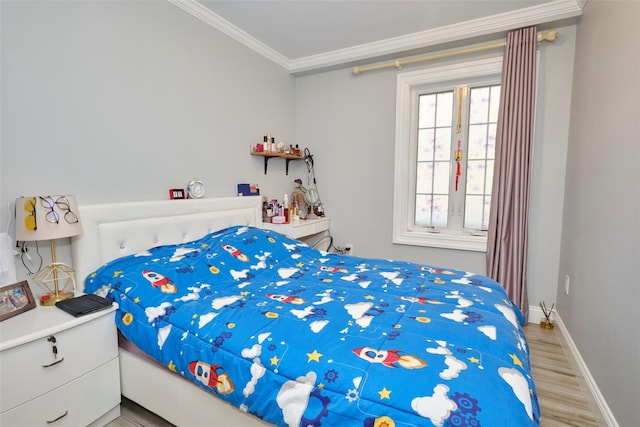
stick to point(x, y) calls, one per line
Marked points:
point(311, 201)
point(297, 199)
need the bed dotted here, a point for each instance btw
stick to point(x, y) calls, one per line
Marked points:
point(242, 326)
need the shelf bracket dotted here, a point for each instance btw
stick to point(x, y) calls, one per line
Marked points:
point(267, 156)
point(266, 162)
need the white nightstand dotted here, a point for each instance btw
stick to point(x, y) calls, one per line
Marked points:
point(78, 386)
point(301, 230)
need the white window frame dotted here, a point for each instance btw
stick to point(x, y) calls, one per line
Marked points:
point(409, 86)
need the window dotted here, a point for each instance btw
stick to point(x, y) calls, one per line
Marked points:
point(445, 140)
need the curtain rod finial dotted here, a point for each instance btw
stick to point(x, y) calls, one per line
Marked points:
point(356, 70)
point(549, 36)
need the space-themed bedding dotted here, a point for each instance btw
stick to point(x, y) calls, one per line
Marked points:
point(300, 337)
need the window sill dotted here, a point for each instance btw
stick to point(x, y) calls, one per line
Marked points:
point(463, 242)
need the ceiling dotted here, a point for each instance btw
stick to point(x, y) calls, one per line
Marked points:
point(304, 35)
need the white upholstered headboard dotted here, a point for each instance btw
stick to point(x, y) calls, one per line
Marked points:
point(113, 230)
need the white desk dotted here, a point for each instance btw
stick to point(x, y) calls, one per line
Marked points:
point(300, 230)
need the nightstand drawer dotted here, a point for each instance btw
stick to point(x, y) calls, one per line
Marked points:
point(30, 370)
point(74, 404)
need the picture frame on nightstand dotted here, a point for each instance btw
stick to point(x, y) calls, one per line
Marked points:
point(15, 299)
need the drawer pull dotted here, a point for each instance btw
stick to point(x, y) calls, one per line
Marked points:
point(51, 364)
point(60, 417)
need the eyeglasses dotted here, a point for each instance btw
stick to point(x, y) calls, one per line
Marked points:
point(48, 203)
point(69, 215)
point(61, 202)
point(30, 222)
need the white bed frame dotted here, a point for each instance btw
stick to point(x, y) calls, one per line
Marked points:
point(117, 229)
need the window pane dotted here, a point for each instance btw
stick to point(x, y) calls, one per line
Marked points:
point(476, 173)
point(473, 212)
point(483, 115)
point(485, 216)
point(432, 186)
point(441, 177)
point(489, 178)
point(495, 103)
point(443, 144)
point(427, 111)
point(479, 105)
point(440, 211)
point(425, 144)
point(434, 155)
point(431, 210)
point(477, 141)
point(424, 180)
point(476, 214)
point(444, 114)
point(491, 141)
point(423, 210)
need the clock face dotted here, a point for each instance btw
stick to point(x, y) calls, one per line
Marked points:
point(196, 189)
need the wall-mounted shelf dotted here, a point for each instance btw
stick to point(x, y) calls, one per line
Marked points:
point(270, 154)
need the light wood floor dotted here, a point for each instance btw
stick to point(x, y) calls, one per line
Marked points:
point(562, 393)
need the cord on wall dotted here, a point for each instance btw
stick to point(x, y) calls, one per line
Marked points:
point(329, 246)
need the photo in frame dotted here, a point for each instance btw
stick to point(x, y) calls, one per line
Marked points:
point(15, 299)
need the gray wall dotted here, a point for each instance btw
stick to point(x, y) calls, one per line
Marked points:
point(601, 226)
point(122, 100)
point(350, 122)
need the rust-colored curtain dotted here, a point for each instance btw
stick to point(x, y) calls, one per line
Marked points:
point(509, 214)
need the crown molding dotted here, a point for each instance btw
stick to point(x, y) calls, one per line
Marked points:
point(207, 16)
point(493, 25)
point(496, 24)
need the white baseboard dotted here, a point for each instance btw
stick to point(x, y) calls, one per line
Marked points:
point(535, 314)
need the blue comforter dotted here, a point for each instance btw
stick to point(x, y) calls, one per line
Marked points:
point(300, 337)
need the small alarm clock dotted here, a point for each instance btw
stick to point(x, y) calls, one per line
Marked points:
point(195, 189)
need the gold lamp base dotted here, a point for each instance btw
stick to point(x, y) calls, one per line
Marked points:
point(52, 299)
point(56, 279)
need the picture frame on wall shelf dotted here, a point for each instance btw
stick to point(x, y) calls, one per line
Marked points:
point(15, 299)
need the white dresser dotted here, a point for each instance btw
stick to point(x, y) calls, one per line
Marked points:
point(79, 385)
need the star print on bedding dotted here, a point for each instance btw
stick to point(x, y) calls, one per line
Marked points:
point(301, 337)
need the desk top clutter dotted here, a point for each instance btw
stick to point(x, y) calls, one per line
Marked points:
point(291, 209)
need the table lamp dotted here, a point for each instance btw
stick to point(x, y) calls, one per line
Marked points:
point(49, 218)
